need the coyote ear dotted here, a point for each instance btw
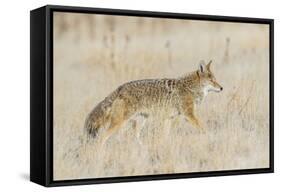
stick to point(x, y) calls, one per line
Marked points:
point(209, 65)
point(202, 66)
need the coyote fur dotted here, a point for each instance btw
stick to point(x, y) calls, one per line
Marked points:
point(183, 94)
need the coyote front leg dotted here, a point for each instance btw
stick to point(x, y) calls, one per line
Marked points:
point(193, 120)
point(189, 113)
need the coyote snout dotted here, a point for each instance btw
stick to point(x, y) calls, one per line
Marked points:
point(182, 94)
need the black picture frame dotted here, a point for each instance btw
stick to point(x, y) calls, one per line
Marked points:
point(41, 99)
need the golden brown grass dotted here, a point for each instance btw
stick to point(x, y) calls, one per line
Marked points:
point(95, 54)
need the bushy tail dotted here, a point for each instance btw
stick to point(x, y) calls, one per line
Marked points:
point(100, 115)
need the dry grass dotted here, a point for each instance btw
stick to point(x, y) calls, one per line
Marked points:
point(95, 54)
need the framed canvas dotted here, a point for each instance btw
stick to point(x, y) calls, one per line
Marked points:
point(123, 95)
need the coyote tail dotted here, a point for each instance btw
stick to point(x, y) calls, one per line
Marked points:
point(100, 115)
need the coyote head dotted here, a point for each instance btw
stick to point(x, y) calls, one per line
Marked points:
point(207, 79)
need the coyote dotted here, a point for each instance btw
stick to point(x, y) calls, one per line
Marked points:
point(183, 94)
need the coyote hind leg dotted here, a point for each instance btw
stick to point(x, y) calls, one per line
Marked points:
point(138, 125)
point(121, 111)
